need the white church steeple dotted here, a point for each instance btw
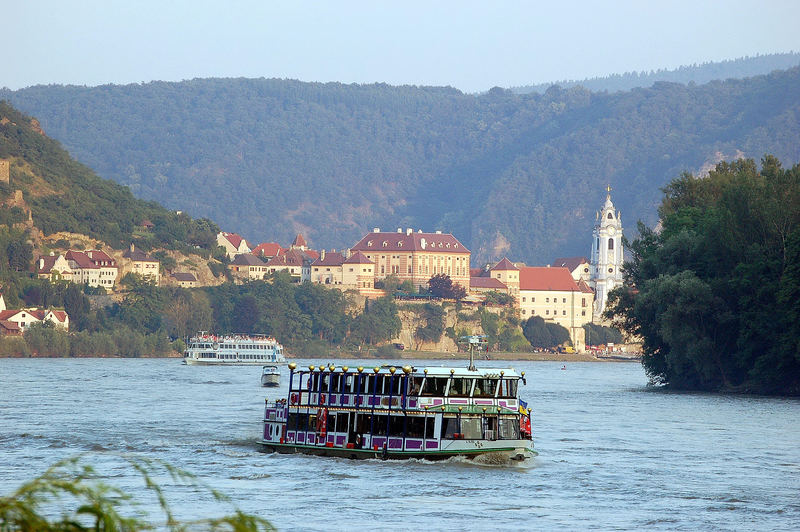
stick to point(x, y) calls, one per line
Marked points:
point(607, 257)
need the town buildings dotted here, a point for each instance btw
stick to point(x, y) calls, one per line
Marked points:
point(416, 256)
point(143, 265)
point(13, 322)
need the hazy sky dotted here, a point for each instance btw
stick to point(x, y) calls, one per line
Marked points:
point(469, 45)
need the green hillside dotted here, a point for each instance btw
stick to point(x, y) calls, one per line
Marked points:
point(64, 195)
point(509, 174)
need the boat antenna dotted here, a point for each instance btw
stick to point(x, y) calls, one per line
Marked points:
point(475, 341)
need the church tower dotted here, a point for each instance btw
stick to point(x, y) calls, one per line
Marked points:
point(606, 267)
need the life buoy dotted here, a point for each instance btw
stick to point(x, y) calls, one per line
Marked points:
point(294, 398)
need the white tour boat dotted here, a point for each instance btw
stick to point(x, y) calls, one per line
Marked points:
point(270, 376)
point(233, 350)
point(430, 413)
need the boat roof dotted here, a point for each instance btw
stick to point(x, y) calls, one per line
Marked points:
point(433, 371)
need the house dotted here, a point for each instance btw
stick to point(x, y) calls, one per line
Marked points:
point(358, 272)
point(554, 295)
point(328, 268)
point(486, 284)
point(184, 280)
point(93, 268)
point(296, 262)
point(143, 264)
point(232, 243)
point(579, 267)
point(108, 267)
point(267, 250)
point(53, 268)
point(14, 322)
point(246, 267)
point(416, 257)
point(507, 273)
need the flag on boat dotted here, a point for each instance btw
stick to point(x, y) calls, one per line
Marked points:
point(523, 407)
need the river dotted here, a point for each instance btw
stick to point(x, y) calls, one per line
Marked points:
point(613, 453)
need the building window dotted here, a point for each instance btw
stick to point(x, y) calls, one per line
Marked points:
point(583, 313)
point(564, 300)
point(547, 312)
point(523, 300)
point(583, 301)
point(610, 243)
point(610, 216)
point(563, 312)
point(547, 300)
point(523, 312)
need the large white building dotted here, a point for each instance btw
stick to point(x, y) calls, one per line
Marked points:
point(607, 256)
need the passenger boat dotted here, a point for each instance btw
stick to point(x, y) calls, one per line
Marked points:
point(430, 413)
point(233, 350)
point(270, 376)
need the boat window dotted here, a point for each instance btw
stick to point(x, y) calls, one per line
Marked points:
point(298, 422)
point(362, 384)
point(508, 388)
point(414, 385)
point(434, 386)
point(449, 427)
point(379, 426)
point(471, 428)
point(416, 427)
point(485, 388)
point(335, 382)
point(509, 428)
point(460, 387)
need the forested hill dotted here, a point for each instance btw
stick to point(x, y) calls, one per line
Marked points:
point(516, 175)
point(66, 196)
point(742, 67)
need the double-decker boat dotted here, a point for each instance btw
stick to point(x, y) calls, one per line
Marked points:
point(233, 350)
point(430, 413)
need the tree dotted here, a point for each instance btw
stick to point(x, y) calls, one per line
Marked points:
point(433, 317)
point(711, 295)
point(441, 285)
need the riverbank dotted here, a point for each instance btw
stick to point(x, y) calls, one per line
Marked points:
point(533, 357)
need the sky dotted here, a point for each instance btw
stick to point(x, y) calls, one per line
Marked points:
point(472, 46)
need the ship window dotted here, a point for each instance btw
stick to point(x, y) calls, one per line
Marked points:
point(508, 388)
point(460, 387)
point(415, 427)
point(471, 428)
point(509, 428)
point(414, 385)
point(434, 386)
point(485, 388)
point(450, 427)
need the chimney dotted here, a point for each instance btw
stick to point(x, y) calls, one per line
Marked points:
point(322, 254)
point(131, 247)
point(41, 263)
point(409, 230)
point(438, 232)
point(399, 229)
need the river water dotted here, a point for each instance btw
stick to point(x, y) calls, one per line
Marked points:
point(613, 453)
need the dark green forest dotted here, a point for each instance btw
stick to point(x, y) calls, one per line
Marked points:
point(715, 294)
point(269, 158)
point(742, 67)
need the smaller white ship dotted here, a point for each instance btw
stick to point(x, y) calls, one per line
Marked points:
point(206, 349)
point(270, 376)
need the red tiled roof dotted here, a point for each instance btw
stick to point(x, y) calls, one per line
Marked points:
point(314, 254)
point(478, 272)
point(299, 241)
point(97, 256)
point(504, 265)
point(10, 327)
point(332, 258)
point(233, 238)
point(570, 262)
point(486, 282)
point(585, 287)
point(60, 315)
point(439, 242)
point(544, 278)
point(49, 262)
point(358, 258)
point(5, 314)
point(137, 255)
point(267, 249)
point(81, 259)
point(292, 257)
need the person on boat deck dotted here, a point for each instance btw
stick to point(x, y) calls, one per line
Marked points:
point(359, 441)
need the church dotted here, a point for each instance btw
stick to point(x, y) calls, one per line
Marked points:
point(607, 255)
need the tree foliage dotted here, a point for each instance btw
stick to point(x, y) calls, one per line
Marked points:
point(713, 294)
point(544, 334)
point(441, 285)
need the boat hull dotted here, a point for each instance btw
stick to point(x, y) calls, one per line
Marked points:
point(495, 454)
point(195, 362)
